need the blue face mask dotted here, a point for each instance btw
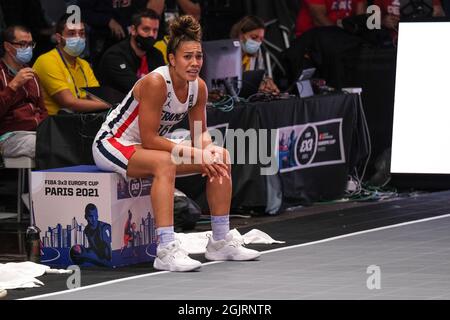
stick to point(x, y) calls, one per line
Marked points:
point(75, 46)
point(251, 46)
point(24, 55)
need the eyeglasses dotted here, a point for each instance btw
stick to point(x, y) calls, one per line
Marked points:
point(24, 45)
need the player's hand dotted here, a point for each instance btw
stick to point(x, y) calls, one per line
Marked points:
point(21, 78)
point(213, 164)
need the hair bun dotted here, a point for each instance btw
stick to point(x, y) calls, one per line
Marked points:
point(183, 28)
point(186, 26)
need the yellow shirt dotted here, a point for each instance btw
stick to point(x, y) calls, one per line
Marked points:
point(55, 77)
point(161, 45)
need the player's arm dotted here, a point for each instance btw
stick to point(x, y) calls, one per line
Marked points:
point(197, 118)
point(151, 96)
point(213, 157)
point(150, 109)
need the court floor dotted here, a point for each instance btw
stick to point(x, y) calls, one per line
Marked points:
point(407, 260)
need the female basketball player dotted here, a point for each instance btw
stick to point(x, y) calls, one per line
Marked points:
point(131, 142)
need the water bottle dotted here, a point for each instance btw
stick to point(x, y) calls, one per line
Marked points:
point(33, 244)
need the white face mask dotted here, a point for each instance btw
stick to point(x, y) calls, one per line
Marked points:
point(251, 46)
point(75, 46)
point(24, 55)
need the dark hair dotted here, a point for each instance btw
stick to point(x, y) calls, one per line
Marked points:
point(183, 28)
point(9, 35)
point(90, 207)
point(61, 24)
point(136, 19)
point(246, 24)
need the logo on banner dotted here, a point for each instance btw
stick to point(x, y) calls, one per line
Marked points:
point(306, 146)
point(310, 145)
point(135, 188)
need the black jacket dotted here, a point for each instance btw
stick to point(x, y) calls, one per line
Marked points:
point(119, 65)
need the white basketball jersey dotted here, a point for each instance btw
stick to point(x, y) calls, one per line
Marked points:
point(122, 123)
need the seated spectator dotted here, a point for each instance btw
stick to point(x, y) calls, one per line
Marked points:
point(320, 13)
point(109, 22)
point(63, 73)
point(126, 62)
point(30, 14)
point(21, 102)
point(250, 31)
point(390, 14)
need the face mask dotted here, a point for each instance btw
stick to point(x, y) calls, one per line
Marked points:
point(145, 44)
point(24, 55)
point(251, 46)
point(75, 46)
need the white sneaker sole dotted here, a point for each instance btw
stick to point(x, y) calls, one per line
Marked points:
point(159, 265)
point(216, 256)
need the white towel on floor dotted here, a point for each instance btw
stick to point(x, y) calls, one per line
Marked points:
point(256, 236)
point(23, 274)
point(195, 243)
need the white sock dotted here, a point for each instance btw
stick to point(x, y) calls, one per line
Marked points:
point(220, 226)
point(165, 235)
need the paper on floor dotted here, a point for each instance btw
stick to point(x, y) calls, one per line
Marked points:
point(23, 274)
point(195, 243)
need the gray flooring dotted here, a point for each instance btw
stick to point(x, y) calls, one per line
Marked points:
point(413, 260)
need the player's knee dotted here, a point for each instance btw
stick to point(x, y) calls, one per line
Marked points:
point(166, 167)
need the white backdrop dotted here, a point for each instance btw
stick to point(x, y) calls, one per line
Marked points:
point(421, 132)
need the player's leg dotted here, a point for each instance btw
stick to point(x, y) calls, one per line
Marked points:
point(159, 164)
point(222, 245)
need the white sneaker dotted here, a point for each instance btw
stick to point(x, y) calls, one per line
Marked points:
point(173, 258)
point(231, 248)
